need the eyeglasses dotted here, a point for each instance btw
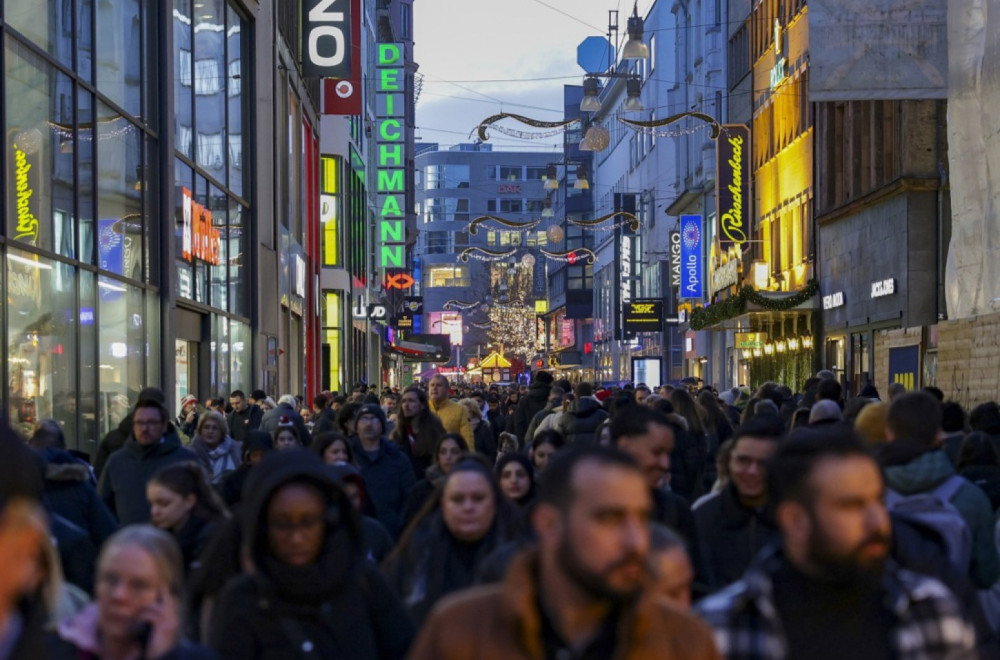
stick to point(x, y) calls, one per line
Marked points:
point(147, 424)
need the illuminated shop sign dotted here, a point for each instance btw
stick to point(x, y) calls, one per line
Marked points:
point(725, 276)
point(883, 288)
point(390, 142)
point(326, 38)
point(200, 240)
point(733, 175)
point(675, 259)
point(509, 188)
point(692, 261)
point(401, 281)
point(644, 315)
point(833, 300)
point(24, 190)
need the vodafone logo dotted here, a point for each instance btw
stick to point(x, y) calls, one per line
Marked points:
point(344, 89)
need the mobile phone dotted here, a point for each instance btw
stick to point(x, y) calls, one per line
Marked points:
point(141, 632)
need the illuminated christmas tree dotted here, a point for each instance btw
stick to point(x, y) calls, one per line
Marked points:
point(512, 315)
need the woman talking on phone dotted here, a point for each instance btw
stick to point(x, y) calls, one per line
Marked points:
point(137, 608)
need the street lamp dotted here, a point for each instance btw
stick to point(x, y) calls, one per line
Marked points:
point(635, 48)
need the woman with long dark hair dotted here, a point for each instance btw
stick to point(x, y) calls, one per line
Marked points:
point(445, 545)
point(689, 459)
point(517, 478)
point(183, 503)
point(448, 451)
point(418, 429)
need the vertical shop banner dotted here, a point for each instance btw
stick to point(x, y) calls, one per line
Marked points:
point(342, 92)
point(675, 259)
point(327, 38)
point(390, 159)
point(904, 365)
point(733, 184)
point(692, 258)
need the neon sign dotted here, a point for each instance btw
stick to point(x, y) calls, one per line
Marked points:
point(27, 223)
point(390, 140)
point(199, 238)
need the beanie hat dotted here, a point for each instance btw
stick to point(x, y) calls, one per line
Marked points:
point(189, 400)
point(257, 440)
point(825, 410)
point(373, 409)
point(285, 422)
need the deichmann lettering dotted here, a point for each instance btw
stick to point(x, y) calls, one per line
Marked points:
point(27, 223)
point(200, 240)
point(390, 138)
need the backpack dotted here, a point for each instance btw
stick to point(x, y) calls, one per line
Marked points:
point(934, 511)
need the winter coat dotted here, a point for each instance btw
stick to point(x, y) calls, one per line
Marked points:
point(273, 416)
point(123, 484)
point(502, 622)
point(337, 607)
point(533, 401)
point(70, 493)
point(422, 491)
point(729, 536)
point(218, 462)
point(923, 474)
point(324, 421)
point(687, 462)
point(550, 409)
point(241, 423)
point(987, 477)
point(389, 479)
point(419, 448)
point(193, 537)
point(454, 419)
point(484, 443)
point(580, 421)
point(112, 442)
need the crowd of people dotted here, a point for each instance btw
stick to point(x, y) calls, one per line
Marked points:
point(553, 520)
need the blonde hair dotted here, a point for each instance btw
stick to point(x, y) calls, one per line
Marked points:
point(472, 406)
point(216, 417)
point(872, 422)
point(161, 548)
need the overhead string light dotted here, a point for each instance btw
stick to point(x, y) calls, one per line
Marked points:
point(556, 127)
point(509, 224)
point(571, 256)
point(463, 305)
point(485, 254)
point(624, 218)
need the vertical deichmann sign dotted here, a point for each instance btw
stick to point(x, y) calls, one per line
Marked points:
point(733, 189)
point(692, 261)
point(390, 144)
point(326, 38)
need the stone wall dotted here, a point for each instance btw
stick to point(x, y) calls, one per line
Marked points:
point(967, 360)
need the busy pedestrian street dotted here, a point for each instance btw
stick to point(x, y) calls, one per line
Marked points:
point(544, 329)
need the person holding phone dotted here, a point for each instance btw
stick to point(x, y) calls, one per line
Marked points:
point(137, 609)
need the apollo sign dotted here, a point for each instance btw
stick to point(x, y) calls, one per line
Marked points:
point(692, 259)
point(326, 43)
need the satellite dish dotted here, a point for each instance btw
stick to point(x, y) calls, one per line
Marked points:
point(593, 54)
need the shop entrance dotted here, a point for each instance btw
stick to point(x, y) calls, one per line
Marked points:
point(186, 364)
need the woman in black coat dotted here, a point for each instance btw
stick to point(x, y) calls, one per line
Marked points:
point(311, 593)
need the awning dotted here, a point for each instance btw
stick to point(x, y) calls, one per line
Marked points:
point(494, 361)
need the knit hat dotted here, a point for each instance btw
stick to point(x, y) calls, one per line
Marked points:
point(257, 440)
point(825, 410)
point(373, 409)
point(285, 422)
point(189, 400)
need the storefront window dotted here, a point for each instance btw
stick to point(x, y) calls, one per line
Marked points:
point(121, 341)
point(210, 73)
point(119, 194)
point(39, 146)
point(120, 58)
point(41, 340)
point(332, 362)
point(88, 366)
point(83, 146)
point(234, 79)
point(239, 356)
point(238, 259)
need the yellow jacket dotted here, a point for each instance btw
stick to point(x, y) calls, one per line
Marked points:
point(455, 419)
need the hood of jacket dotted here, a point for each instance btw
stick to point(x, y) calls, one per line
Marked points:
point(62, 466)
point(584, 407)
point(296, 466)
point(921, 474)
point(539, 392)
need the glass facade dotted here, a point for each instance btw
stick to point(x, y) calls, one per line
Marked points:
point(82, 276)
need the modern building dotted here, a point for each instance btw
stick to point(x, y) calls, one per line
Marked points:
point(160, 206)
point(472, 267)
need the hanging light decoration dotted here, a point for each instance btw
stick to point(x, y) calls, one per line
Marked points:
point(555, 234)
point(581, 178)
point(504, 222)
point(547, 211)
point(528, 260)
point(595, 138)
point(571, 256)
point(635, 48)
point(490, 123)
point(634, 89)
point(551, 178)
point(590, 102)
point(485, 254)
point(463, 305)
point(624, 218)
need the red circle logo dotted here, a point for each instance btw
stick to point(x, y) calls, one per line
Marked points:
point(344, 89)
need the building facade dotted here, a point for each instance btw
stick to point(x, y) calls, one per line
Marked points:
point(147, 191)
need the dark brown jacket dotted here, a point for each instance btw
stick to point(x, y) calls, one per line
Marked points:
point(501, 622)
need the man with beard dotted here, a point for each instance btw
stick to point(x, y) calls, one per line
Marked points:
point(830, 589)
point(582, 593)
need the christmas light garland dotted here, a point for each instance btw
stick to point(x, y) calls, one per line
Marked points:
point(489, 121)
point(515, 226)
point(483, 254)
point(656, 123)
point(704, 317)
point(458, 304)
point(571, 256)
point(626, 219)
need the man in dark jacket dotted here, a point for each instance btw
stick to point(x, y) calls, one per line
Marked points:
point(154, 443)
point(286, 408)
point(387, 471)
point(245, 416)
point(311, 593)
point(495, 416)
point(324, 418)
point(533, 401)
point(116, 437)
point(584, 415)
point(735, 523)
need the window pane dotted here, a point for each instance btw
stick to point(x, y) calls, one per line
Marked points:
point(48, 23)
point(234, 36)
point(84, 147)
point(39, 145)
point(210, 99)
point(119, 193)
point(239, 356)
point(121, 341)
point(91, 418)
point(182, 231)
point(184, 74)
point(119, 53)
point(41, 339)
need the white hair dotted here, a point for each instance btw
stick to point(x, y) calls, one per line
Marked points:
point(289, 399)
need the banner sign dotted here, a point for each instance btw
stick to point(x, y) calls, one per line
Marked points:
point(342, 93)
point(675, 259)
point(692, 258)
point(390, 159)
point(904, 365)
point(326, 38)
point(733, 187)
point(199, 237)
point(643, 315)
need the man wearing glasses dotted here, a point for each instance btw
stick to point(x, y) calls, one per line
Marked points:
point(736, 522)
point(154, 443)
